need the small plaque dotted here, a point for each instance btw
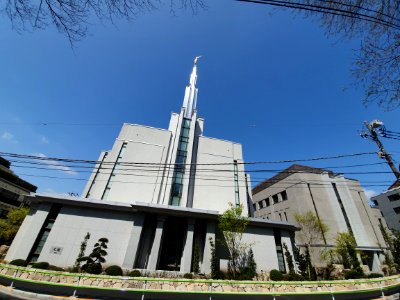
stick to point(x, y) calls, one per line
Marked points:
point(56, 250)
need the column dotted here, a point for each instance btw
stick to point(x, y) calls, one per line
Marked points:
point(133, 243)
point(376, 264)
point(28, 232)
point(186, 260)
point(155, 249)
point(210, 233)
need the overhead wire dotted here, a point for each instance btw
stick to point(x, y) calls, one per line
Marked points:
point(325, 9)
point(8, 154)
point(213, 185)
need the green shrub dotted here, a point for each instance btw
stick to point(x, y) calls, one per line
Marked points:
point(92, 268)
point(219, 275)
point(41, 265)
point(135, 273)
point(353, 274)
point(114, 271)
point(55, 268)
point(374, 275)
point(275, 275)
point(19, 262)
point(188, 276)
point(293, 277)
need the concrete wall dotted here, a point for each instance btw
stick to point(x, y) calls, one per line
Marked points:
point(215, 185)
point(27, 233)
point(71, 226)
point(134, 182)
point(314, 192)
point(387, 207)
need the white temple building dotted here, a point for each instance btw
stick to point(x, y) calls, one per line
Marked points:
point(155, 195)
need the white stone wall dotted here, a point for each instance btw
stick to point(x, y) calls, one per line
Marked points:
point(215, 185)
point(134, 182)
point(71, 226)
point(27, 233)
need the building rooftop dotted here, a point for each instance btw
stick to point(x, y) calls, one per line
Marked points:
point(286, 173)
point(8, 175)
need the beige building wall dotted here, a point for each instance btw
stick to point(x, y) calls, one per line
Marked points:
point(339, 202)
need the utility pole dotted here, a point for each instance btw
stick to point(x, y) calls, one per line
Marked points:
point(382, 152)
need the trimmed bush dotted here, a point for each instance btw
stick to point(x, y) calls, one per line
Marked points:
point(374, 275)
point(93, 268)
point(41, 265)
point(114, 271)
point(135, 273)
point(275, 275)
point(219, 275)
point(293, 277)
point(55, 268)
point(188, 276)
point(353, 274)
point(19, 262)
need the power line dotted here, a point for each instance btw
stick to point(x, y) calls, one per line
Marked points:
point(25, 156)
point(199, 177)
point(128, 168)
point(213, 185)
point(327, 10)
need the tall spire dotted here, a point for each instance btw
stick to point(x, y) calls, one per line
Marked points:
point(189, 102)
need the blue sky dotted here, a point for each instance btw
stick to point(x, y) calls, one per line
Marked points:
point(268, 80)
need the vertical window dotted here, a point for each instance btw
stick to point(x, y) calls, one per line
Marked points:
point(284, 196)
point(275, 199)
point(115, 168)
point(280, 216)
point(279, 250)
point(285, 215)
point(44, 233)
point(267, 202)
point(236, 178)
point(180, 161)
point(95, 175)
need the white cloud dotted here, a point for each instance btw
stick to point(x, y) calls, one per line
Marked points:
point(44, 140)
point(56, 165)
point(370, 193)
point(8, 137)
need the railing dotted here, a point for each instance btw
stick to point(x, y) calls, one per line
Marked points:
point(194, 286)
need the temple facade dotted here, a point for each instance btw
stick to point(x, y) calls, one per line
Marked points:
point(156, 196)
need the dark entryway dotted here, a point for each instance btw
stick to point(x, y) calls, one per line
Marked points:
point(172, 244)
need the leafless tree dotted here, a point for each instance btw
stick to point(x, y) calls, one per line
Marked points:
point(71, 17)
point(377, 24)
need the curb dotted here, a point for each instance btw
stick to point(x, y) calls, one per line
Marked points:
point(9, 291)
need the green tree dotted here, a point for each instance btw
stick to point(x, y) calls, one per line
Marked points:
point(393, 243)
point(289, 259)
point(10, 226)
point(345, 253)
point(92, 263)
point(301, 262)
point(233, 224)
point(215, 272)
point(313, 230)
point(81, 254)
point(196, 259)
point(249, 269)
